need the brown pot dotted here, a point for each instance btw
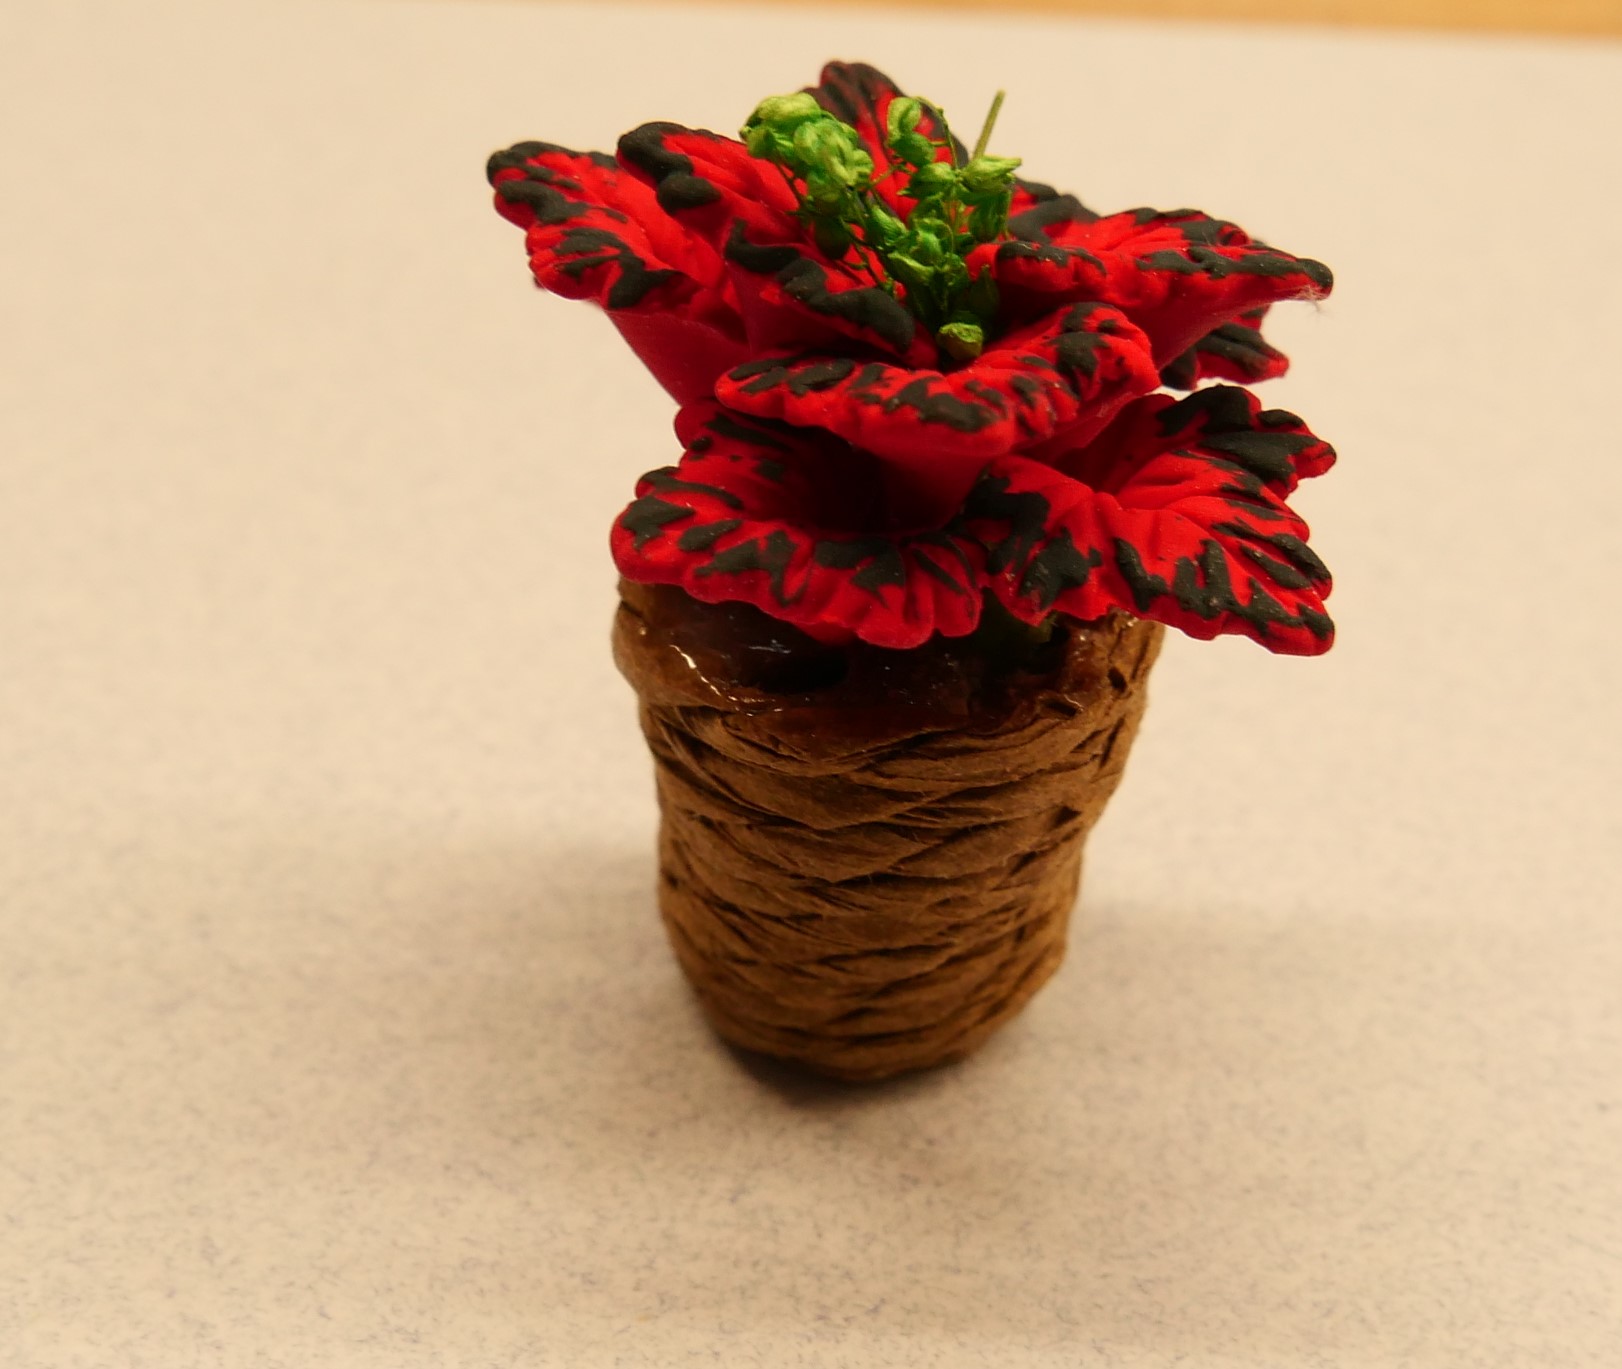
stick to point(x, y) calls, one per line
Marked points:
point(868, 857)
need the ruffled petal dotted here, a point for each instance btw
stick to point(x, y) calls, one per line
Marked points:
point(790, 295)
point(1039, 213)
point(786, 291)
point(762, 513)
point(706, 182)
point(1176, 514)
point(1067, 375)
point(595, 233)
point(1180, 276)
point(1236, 351)
point(587, 228)
point(1269, 447)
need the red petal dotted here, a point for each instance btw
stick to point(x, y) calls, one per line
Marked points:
point(1269, 446)
point(1236, 351)
point(588, 228)
point(1179, 275)
point(1175, 518)
point(791, 296)
point(594, 232)
point(1039, 213)
point(705, 182)
point(761, 513)
point(788, 293)
point(1062, 379)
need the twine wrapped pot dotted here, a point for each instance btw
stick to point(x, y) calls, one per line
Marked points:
point(869, 875)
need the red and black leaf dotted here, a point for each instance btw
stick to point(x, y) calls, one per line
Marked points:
point(1063, 377)
point(705, 183)
point(742, 209)
point(1266, 447)
point(762, 513)
point(1236, 351)
point(1176, 519)
point(589, 229)
point(1179, 275)
point(791, 295)
point(593, 232)
point(1040, 214)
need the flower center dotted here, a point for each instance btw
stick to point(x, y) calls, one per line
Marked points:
point(921, 257)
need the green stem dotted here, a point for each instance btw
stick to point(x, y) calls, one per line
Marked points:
point(874, 262)
point(865, 219)
point(985, 129)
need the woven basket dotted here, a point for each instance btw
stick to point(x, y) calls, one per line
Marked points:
point(869, 885)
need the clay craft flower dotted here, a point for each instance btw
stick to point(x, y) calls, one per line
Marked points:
point(909, 380)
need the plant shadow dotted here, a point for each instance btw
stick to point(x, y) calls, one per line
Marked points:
point(1153, 1161)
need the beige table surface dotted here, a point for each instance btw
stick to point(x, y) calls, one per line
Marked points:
point(336, 1026)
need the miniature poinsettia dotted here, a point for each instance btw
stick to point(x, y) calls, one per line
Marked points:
point(909, 382)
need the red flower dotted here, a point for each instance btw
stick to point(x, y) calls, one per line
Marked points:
point(843, 474)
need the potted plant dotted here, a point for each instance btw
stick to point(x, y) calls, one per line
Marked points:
point(890, 613)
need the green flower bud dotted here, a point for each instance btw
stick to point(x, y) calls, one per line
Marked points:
point(989, 175)
point(988, 220)
point(931, 181)
point(903, 116)
point(769, 131)
point(952, 275)
point(913, 274)
point(761, 141)
point(962, 341)
point(786, 112)
point(884, 229)
point(812, 141)
point(824, 194)
point(906, 144)
point(913, 149)
point(929, 241)
point(860, 167)
point(833, 150)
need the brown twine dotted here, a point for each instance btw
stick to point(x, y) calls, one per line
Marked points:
point(873, 890)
